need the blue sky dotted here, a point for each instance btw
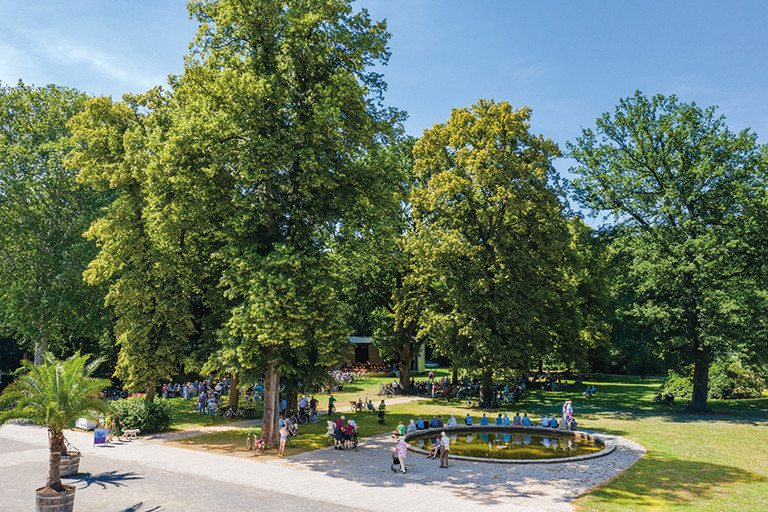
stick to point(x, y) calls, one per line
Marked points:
point(568, 61)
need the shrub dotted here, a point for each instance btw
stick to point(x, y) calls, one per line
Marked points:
point(727, 379)
point(150, 417)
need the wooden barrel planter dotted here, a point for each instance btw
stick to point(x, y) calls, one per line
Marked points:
point(47, 501)
point(70, 464)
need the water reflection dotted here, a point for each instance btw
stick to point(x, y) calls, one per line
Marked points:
point(516, 446)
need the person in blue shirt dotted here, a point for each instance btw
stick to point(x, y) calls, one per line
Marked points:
point(526, 421)
point(505, 421)
point(545, 421)
point(484, 421)
point(420, 423)
point(499, 420)
point(468, 420)
point(553, 422)
point(433, 423)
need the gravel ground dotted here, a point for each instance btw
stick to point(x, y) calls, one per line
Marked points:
point(548, 487)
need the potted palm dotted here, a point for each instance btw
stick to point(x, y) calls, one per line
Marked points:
point(54, 395)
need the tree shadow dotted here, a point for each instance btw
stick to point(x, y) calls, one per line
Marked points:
point(139, 508)
point(655, 480)
point(112, 478)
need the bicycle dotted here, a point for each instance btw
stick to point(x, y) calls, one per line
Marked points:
point(253, 443)
point(312, 417)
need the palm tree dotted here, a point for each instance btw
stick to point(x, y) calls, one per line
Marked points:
point(54, 395)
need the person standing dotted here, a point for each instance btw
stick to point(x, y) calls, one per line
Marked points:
point(283, 438)
point(567, 414)
point(402, 452)
point(445, 447)
point(331, 401)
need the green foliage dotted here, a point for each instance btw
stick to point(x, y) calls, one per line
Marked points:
point(154, 416)
point(148, 287)
point(493, 241)
point(687, 196)
point(54, 394)
point(43, 214)
point(372, 256)
point(727, 379)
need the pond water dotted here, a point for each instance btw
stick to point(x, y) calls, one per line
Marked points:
point(518, 445)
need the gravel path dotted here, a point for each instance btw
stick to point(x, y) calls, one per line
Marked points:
point(549, 487)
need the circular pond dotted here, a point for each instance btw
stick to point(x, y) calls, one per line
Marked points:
point(512, 444)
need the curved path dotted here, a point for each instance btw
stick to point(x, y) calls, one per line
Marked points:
point(338, 480)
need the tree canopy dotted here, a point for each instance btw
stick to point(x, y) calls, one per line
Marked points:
point(688, 195)
point(492, 236)
point(43, 213)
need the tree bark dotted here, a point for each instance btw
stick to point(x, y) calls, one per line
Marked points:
point(702, 358)
point(150, 396)
point(291, 400)
point(485, 384)
point(40, 348)
point(269, 423)
point(55, 445)
point(455, 377)
point(234, 392)
point(404, 354)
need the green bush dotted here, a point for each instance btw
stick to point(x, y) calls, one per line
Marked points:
point(727, 379)
point(150, 417)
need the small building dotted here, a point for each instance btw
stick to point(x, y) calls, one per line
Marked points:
point(364, 351)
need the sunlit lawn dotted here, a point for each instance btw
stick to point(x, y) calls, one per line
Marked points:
point(185, 415)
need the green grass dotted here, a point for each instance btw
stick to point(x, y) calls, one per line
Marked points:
point(184, 415)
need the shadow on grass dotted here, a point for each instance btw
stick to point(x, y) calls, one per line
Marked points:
point(113, 478)
point(654, 480)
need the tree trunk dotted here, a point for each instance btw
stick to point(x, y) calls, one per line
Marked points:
point(404, 353)
point(700, 380)
point(455, 377)
point(56, 445)
point(234, 392)
point(291, 400)
point(269, 423)
point(40, 348)
point(150, 396)
point(485, 384)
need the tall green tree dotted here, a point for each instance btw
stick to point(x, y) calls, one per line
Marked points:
point(690, 197)
point(493, 238)
point(43, 214)
point(149, 290)
point(274, 106)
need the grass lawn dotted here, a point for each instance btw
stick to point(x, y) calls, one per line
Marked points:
point(184, 414)
point(717, 462)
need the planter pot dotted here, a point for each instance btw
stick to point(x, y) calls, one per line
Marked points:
point(48, 501)
point(70, 464)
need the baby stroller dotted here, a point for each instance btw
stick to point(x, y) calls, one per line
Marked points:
point(396, 463)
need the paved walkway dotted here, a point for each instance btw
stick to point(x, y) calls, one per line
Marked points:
point(354, 480)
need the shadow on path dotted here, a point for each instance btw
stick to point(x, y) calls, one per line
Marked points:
point(113, 478)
